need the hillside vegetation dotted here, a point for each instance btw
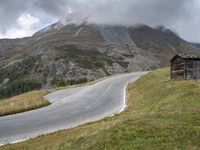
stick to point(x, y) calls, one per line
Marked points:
point(161, 114)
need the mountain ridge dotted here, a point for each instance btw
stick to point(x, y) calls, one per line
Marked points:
point(69, 54)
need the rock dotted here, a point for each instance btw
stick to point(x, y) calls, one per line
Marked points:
point(5, 81)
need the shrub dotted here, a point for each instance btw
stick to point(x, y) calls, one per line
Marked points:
point(19, 87)
point(60, 81)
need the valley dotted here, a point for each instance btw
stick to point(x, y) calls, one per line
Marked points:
point(61, 55)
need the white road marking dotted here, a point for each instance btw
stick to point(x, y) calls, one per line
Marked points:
point(87, 107)
point(74, 112)
point(15, 125)
point(14, 142)
point(53, 117)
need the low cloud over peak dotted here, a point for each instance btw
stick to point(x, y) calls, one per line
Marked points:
point(180, 15)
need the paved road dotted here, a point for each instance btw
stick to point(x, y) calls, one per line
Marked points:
point(69, 108)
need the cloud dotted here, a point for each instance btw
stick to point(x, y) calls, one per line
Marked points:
point(26, 25)
point(14, 13)
point(180, 15)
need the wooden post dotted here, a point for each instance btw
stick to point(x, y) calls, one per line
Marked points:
point(185, 70)
point(171, 71)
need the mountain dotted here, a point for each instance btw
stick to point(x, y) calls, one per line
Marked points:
point(196, 45)
point(68, 53)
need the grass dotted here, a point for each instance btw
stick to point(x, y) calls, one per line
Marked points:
point(23, 102)
point(162, 114)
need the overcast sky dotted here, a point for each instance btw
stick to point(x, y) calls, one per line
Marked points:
point(20, 18)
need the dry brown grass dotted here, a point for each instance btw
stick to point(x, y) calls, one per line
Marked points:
point(24, 102)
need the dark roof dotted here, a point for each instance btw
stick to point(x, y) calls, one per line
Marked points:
point(189, 56)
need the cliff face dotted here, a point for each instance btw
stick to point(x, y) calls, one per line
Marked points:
point(71, 54)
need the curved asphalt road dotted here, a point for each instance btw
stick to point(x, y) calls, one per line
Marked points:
point(69, 108)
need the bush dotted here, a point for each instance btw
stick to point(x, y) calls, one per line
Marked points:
point(78, 81)
point(60, 81)
point(19, 87)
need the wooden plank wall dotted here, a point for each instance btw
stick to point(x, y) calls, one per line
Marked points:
point(185, 68)
point(178, 68)
point(193, 69)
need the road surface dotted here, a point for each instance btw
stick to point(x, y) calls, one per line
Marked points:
point(69, 108)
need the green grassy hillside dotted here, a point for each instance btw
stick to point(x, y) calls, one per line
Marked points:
point(162, 114)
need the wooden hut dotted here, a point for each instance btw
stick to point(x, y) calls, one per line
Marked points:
point(185, 66)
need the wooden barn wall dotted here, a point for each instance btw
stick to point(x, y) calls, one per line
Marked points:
point(193, 69)
point(178, 68)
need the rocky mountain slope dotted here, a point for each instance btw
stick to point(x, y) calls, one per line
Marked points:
point(75, 53)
